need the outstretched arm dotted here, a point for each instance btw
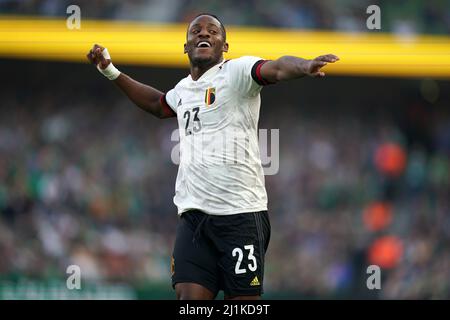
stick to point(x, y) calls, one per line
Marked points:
point(144, 96)
point(289, 67)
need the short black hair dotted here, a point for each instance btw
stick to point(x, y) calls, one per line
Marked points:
point(222, 27)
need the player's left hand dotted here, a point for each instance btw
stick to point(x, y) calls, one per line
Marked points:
point(316, 64)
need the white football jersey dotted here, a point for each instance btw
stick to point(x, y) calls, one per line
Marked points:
point(220, 171)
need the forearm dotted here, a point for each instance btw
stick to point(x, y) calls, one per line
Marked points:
point(144, 96)
point(289, 67)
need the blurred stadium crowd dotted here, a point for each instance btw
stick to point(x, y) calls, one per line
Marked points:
point(400, 16)
point(87, 179)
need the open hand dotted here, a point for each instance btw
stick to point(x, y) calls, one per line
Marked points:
point(316, 64)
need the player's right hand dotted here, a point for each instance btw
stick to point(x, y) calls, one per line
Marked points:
point(96, 57)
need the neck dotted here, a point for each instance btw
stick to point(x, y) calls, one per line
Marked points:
point(198, 69)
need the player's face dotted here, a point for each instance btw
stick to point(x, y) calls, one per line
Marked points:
point(205, 43)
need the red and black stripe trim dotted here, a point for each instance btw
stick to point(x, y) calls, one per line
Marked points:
point(256, 73)
point(166, 109)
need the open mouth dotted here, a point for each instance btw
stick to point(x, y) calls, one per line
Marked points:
point(203, 44)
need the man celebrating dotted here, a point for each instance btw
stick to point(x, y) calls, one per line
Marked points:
point(224, 229)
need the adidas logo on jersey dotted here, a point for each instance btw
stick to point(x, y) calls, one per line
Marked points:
point(255, 282)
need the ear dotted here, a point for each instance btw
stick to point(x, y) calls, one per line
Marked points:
point(185, 49)
point(225, 47)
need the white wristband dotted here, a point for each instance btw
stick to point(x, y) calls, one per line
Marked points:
point(111, 72)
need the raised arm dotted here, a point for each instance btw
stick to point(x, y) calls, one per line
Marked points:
point(144, 96)
point(289, 67)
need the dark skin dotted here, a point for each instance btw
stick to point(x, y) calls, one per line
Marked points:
point(204, 28)
point(207, 28)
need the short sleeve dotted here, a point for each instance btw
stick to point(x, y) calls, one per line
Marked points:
point(169, 103)
point(245, 74)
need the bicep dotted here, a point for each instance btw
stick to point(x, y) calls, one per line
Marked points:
point(245, 73)
point(269, 71)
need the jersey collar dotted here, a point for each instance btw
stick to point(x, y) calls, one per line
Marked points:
point(209, 72)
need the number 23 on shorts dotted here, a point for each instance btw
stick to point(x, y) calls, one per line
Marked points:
point(252, 266)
